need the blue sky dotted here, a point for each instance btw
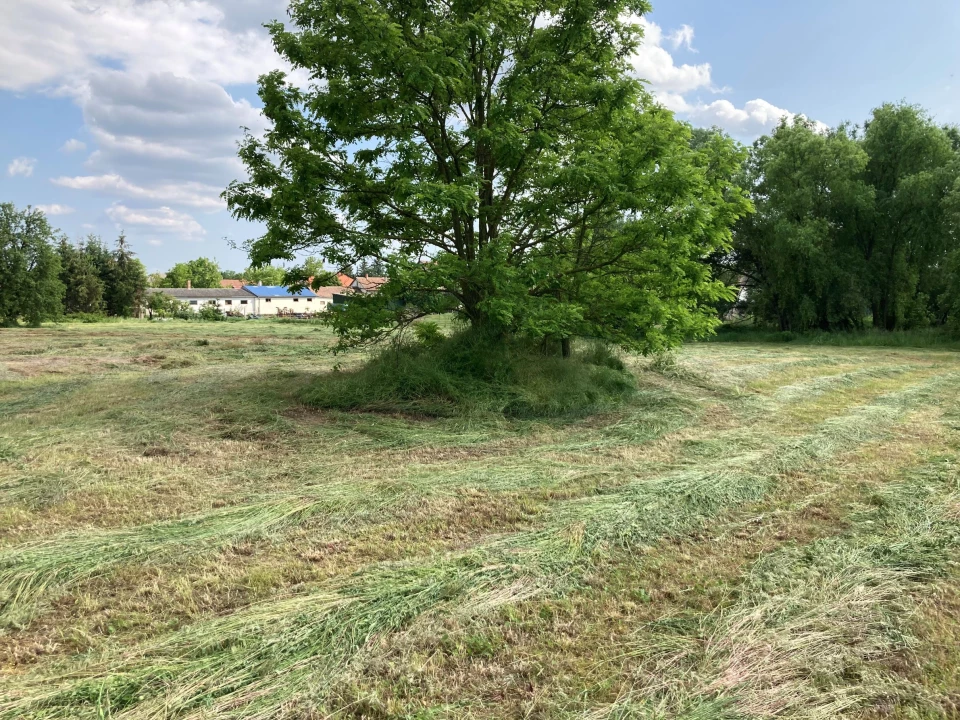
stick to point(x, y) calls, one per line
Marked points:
point(125, 114)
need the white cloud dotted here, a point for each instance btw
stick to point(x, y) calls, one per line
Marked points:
point(45, 42)
point(21, 166)
point(674, 86)
point(155, 242)
point(149, 77)
point(682, 38)
point(73, 145)
point(163, 219)
point(55, 209)
point(204, 197)
point(655, 64)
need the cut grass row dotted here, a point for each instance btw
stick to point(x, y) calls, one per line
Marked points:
point(29, 570)
point(221, 667)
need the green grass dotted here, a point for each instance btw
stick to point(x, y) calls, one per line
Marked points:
point(471, 374)
point(935, 338)
point(194, 523)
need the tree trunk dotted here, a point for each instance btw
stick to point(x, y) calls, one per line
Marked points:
point(565, 347)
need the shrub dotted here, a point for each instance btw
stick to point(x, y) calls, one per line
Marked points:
point(472, 373)
point(210, 312)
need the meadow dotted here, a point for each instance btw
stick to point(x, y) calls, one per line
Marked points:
point(763, 531)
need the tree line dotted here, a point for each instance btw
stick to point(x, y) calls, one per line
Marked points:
point(853, 227)
point(43, 276)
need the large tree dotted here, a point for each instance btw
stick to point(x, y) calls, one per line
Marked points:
point(852, 225)
point(126, 288)
point(80, 277)
point(30, 287)
point(496, 153)
point(913, 167)
point(801, 255)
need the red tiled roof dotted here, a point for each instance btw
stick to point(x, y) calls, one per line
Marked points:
point(235, 284)
point(369, 284)
point(330, 290)
point(344, 280)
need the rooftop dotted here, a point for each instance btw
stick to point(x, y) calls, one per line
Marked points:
point(330, 290)
point(211, 293)
point(276, 291)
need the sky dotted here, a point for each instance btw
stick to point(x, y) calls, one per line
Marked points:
point(123, 115)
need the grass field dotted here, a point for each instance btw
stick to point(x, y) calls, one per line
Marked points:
point(766, 531)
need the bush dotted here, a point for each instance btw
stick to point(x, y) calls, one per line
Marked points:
point(471, 374)
point(210, 312)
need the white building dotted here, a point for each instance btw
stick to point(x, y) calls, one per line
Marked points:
point(278, 300)
point(226, 299)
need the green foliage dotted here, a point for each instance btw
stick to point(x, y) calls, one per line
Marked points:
point(482, 158)
point(202, 273)
point(162, 305)
point(937, 338)
point(267, 275)
point(914, 170)
point(30, 286)
point(428, 333)
point(851, 226)
point(78, 273)
point(210, 311)
point(99, 280)
point(126, 283)
point(471, 373)
point(804, 244)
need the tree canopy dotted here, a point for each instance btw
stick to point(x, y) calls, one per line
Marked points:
point(202, 273)
point(493, 155)
point(852, 225)
point(30, 286)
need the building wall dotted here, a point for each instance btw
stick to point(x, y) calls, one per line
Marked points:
point(244, 305)
point(274, 305)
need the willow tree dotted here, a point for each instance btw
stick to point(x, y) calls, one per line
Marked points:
point(494, 155)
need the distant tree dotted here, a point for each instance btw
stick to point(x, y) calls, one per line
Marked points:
point(202, 273)
point(78, 273)
point(313, 267)
point(913, 169)
point(231, 275)
point(30, 286)
point(266, 275)
point(128, 281)
point(162, 305)
point(155, 279)
point(802, 251)
point(498, 156)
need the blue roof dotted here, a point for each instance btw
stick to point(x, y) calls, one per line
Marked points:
point(277, 291)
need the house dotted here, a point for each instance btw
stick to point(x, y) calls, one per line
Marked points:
point(344, 280)
point(233, 284)
point(278, 300)
point(367, 284)
point(332, 295)
point(226, 299)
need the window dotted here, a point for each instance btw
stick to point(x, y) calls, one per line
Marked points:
point(267, 299)
point(296, 299)
point(243, 302)
point(193, 302)
point(309, 299)
point(228, 302)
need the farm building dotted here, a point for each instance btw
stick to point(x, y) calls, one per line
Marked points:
point(227, 299)
point(278, 300)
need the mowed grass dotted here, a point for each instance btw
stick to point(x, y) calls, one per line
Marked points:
point(763, 531)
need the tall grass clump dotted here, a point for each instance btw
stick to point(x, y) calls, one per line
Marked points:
point(472, 373)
